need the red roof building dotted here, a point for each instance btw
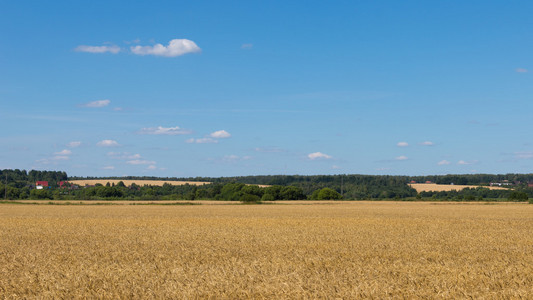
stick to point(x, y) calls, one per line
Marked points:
point(41, 183)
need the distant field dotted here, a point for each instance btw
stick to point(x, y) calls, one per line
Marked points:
point(344, 250)
point(137, 182)
point(427, 187)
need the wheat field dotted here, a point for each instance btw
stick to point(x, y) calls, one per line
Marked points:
point(137, 182)
point(330, 250)
point(429, 187)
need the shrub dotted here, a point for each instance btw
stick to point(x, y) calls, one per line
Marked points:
point(268, 197)
point(249, 198)
point(518, 196)
point(328, 194)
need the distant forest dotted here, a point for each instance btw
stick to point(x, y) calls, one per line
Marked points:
point(21, 185)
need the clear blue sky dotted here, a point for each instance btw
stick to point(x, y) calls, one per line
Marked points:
point(224, 88)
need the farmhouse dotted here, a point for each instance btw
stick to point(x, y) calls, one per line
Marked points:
point(41, 185)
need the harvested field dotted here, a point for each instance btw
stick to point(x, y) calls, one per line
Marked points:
point(428, 187)
point(344, 250)
point(137, 182)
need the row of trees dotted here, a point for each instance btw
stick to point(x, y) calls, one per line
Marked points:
point(228, 192)
point(295, 187)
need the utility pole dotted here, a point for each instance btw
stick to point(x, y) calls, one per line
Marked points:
point(5, 189)
point(342, 183)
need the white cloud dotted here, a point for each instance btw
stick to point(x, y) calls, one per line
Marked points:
point(221, 134)
point(402, 144)
point(335, 167)
point(247, 46)
point(108, 168)
point(443, 162)
point(151, 167)
point(318, 155)
point(107, 143)
point(201, 141)
point(64, 152)
point(524, 155)
point(401, 157)
point(74, 144)
point(98, 49)
point(464, 163)
point(427, 143)
point(521, 70)
point(123, 155)
point(97, 103)
point(140, 162)
point(176, 47)
point(159, 130)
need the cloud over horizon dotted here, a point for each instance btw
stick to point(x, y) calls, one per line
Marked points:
point(107, 143)
point(159, 130)
point(221, 134)
point(97, 103)
point(175, 47)
point(318, 155)
point(74, 144)
point(201, 141)
point(98, 49)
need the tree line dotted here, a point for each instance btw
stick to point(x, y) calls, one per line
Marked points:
point(21, 185)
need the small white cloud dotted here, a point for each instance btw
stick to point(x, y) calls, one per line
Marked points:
point(123, 155)
point(107, 143)
point(521, 70)
point(140, 162)
point(176, 47)
point(247, 46)
point(97, 103)
point(401, 157)
point(443, 162)
point(201, 141)
point(64, 152)
point(427, 143)
point(318, 155)
point(159, 130)
point(74, 144)
point(118, 109)
point(108, 168)
point(221, 134)
point(464, 163)
point(151, 167)
point(98, 49)
point(334, 167)
point(402, 144)
point(524, 155)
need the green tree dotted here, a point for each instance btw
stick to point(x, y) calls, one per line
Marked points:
point(249, 198)
point(518, 196)
point(328, 194)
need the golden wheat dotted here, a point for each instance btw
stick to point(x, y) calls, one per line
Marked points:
point(343, 250)
point(137, 182)
point(427, 187)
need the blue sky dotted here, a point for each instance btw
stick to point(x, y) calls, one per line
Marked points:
point(225, 88)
